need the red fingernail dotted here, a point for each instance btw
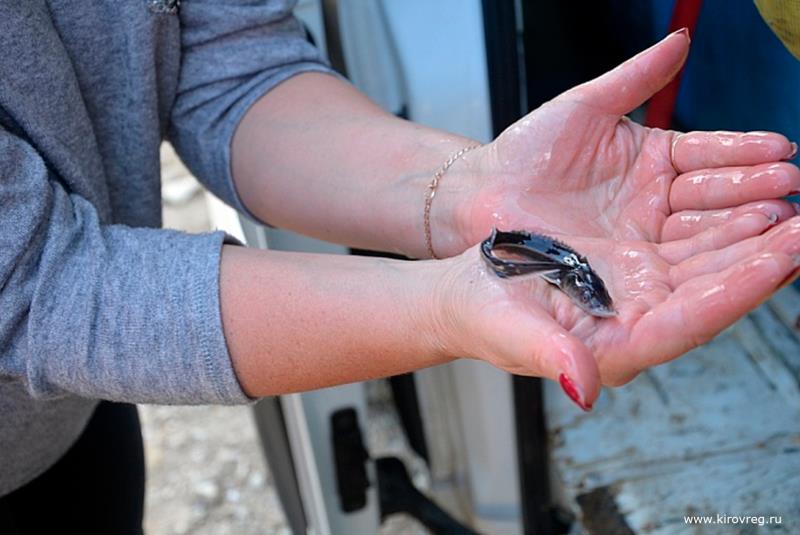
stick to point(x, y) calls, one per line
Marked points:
point(572, 392)
point(793, 192)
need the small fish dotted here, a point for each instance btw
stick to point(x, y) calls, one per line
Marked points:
point(555, 262)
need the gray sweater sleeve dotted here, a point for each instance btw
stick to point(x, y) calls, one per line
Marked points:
point(104, 311)
point(232, 52)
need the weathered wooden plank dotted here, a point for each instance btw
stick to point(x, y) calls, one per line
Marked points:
point(760, 481)
point(786, 306)
point(717, 431)
point(766, 342)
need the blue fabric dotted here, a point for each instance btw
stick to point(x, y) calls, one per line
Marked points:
point(738, 76)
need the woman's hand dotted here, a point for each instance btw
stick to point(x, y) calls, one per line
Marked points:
point(577, 166)
point(670, 298)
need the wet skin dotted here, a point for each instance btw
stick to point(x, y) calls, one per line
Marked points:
point(689, 231)
point(577, 166)
point(669, 298)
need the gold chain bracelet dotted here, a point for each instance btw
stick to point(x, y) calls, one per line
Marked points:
point(431, 193)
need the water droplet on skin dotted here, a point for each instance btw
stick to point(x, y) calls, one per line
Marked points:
point(780, 181)
point(760, 139)
point(724, 215)
point(725, 139)
point(713, 291)
point(692, 141)
point(699, 179)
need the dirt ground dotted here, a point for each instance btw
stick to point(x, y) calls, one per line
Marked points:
point(205, 472)
point(206, 475)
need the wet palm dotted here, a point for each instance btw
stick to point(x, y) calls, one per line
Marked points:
point(577, 166)
point(669, 297)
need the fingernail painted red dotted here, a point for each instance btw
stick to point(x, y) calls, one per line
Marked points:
point(569, 389)
point(793, 192)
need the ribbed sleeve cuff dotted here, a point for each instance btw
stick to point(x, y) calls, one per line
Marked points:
point(222, 383)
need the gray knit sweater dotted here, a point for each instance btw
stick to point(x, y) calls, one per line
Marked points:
point(96, 302)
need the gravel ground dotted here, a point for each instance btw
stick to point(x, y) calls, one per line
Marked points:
point(205, 470)
point(206, 474)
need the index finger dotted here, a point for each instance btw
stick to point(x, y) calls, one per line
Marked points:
point(692, 151)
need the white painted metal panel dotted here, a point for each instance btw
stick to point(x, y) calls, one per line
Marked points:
point(442, 57)
point(486, 408)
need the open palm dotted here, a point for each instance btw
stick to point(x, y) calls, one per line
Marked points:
point(577, 166)
point(669, 297)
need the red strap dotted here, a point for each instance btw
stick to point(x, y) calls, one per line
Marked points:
point(662, 105)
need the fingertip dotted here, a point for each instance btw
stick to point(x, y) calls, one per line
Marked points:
point(746, 226)
point(753, 220)
point(792, 276)
point(778, 263)
point(574, 392)
point(577, 371)
point(792, 151)
point(771, 146)
point(678, 35)
point(633, 82)
point(663, 60)
point(736, 229)
point(785, 269)
point(765, 270)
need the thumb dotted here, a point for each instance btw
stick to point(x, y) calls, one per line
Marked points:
point(540, 346)
point(631, 84)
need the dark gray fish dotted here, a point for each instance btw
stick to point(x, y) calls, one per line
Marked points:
point(557, 263)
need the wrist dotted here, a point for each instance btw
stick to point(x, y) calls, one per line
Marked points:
point(440, 312)
point(409, 193)
point(454, 187)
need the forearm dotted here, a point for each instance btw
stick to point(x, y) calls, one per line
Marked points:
point(296, 322)
point(317, 157)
